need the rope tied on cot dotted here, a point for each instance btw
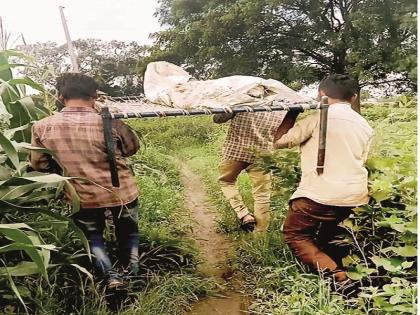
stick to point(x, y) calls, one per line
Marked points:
point(267, 108)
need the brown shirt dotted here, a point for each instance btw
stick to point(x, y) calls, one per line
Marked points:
point(75, 136)
point(250, 133)
point(345, 178)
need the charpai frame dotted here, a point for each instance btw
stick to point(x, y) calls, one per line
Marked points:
point(108, 116)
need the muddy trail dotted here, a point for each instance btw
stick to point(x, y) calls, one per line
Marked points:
point(214, 249)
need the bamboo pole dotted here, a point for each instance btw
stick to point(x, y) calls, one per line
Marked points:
point(212, 111)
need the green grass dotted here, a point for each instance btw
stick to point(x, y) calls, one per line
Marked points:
point(271, 275)
point(270, 268)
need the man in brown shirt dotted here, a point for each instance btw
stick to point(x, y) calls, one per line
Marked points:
point(75, 137)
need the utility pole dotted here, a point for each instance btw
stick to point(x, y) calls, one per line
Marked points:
point(69, 43)
point(3, 36)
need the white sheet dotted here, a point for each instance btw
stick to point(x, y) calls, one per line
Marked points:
point(169, 85)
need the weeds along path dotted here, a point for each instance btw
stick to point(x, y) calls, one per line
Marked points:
point(213, 249)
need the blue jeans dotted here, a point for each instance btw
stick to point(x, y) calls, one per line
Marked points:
point(92, 223)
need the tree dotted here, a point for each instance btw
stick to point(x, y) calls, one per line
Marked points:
point(112, 64)
point(291, 40)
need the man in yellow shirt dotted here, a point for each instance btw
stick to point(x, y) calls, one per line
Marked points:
point(322, 201)
point(248, 133)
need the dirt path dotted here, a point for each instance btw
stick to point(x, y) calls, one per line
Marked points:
point(213, 249)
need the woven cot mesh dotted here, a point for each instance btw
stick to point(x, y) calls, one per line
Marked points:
point(130, 106)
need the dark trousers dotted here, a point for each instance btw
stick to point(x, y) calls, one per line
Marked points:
point(309, 229)
point(125, 218)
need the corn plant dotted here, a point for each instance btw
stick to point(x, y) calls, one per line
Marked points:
point(22, 189)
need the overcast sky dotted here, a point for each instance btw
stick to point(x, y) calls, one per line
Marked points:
point(39, 21)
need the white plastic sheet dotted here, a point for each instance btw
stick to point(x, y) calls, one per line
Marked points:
point(169, 85)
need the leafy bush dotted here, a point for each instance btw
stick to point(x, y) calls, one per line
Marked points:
point(384, 232)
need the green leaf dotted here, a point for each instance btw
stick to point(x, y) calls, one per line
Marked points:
point(359, 272)
point(22, 269)
point(35, 197)
point(381, 189)
point(9, 133)
point(73, 226)
point(395, 299)
point(15, 233)
point(75, 199)
point(10, 151)
point(84, 270)
point(16, 226)
point(29, 82)
point(389, 264)
point(13, 286)
point(29, 105)
point(57, 216)
point(35, 177)
point(17, 53)
point(406, 251)
point(17, 191)
point(21, 246)
point(355, 275)
point(388, 222)
point(5, 173)
point(5, 72)
point(350, 260)
point(381, 163)
point(407, 264)
point(8, 66)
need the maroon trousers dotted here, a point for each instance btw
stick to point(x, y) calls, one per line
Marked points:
point(308, 230)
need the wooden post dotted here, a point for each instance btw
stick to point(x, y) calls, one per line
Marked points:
point(69, 43)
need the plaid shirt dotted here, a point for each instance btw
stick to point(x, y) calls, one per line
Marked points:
point(250, 133)
point(75, 136)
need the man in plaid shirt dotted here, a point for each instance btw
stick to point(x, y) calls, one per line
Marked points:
point(249, 133)
point(75, 136)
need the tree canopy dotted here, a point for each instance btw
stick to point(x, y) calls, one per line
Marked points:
point(290, 40)
point(112, 64)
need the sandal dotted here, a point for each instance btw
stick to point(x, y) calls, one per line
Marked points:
point(248, 223)
point(114, 281)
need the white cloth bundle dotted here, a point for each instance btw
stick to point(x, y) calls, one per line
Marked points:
point(169, 85)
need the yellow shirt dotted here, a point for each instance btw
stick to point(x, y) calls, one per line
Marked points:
point(344, 181)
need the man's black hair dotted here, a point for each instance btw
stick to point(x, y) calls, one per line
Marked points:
point(339, 86)
point(76, 86)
